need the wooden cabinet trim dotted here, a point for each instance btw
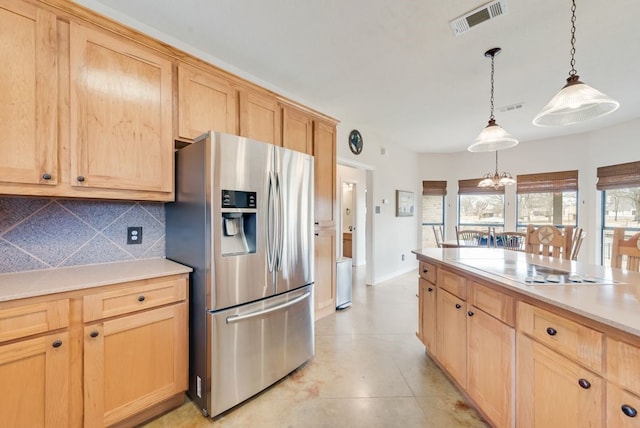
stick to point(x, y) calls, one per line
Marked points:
point(28, 320)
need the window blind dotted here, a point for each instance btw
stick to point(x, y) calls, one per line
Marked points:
point(619, 176)
point(435, 188)
point(470, 187)
point(548, 182)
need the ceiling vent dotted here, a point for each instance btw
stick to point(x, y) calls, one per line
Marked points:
point(477, 16)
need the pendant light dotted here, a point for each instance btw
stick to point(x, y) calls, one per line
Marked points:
point(576, 102)
point(496, 180)
point(493, 137)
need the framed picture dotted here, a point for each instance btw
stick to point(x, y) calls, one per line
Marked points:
point(404, 204)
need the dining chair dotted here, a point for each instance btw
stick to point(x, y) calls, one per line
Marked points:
point(625, 250)
point(549, 241)
point(509, 240)
point(473, 238)
point(437, 231)
point(578, 237)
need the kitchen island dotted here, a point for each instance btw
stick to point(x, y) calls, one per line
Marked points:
point(532, 340)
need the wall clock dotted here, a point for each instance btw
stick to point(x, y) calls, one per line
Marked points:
point(355, 142)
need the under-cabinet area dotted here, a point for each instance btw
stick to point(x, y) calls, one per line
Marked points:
point(89, 347)
point(532, 356)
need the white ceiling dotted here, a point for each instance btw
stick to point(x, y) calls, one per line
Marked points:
point(396, 68)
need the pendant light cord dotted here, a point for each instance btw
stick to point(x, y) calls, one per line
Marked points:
point(573, 71)
point(492, 117)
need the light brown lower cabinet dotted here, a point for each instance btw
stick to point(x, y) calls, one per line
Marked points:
point(132, 362)
point(34, 374)
point(622, 408)
point(427, 315)
point(325, 272)
point(554, 391)
point(451, 348)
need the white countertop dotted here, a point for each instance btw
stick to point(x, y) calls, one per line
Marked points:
point(36, 283)
point(615, 305)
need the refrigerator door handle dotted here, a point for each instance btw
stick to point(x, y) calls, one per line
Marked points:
point(237, 318)
point(281, 230)
point(270, 222)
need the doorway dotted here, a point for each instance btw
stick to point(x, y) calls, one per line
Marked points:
point(353, 221)
point(349, 205)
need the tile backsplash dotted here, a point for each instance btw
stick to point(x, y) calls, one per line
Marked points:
point(42, 233)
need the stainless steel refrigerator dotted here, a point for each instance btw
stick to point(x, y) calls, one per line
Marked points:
point(243, 220)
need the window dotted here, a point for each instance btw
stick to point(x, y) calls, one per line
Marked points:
point(480, 207)
point(548, 198)
point(433, 193)
point(620, 185)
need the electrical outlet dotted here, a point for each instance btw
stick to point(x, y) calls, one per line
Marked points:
point(403, 257)
point(134, 235)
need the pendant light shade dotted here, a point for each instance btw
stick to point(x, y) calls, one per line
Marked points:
point(576, 102)
point(493, 137)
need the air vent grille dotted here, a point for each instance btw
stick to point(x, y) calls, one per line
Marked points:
point(464, 23)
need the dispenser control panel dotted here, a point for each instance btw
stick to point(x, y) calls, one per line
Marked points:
point(238, 199)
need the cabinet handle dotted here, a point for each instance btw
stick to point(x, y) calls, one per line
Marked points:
point(628, 410)
point(584, 383)
point(80, 178)
point(429, 289)
point(470, 313)
point(317, 234)
point(94, 333)
point(551, 331)
point(425, 270)
point(141, 298)
point(458, 306)
point(46, 176)
point(57, 343)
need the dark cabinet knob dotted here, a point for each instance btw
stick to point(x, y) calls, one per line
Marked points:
point(425, 270)
point(80, 178)
point(458, 306)
point(628, 410)
point(94, 333)
point(46, 176)
point(470, 313)
point(584, 383)
point(57, 344)
point(429, 289)
point(551, 331)
point(141, 298)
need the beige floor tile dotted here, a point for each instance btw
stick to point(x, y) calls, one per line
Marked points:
point(369, 370)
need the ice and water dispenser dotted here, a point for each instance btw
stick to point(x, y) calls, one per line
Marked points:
point(239, 211)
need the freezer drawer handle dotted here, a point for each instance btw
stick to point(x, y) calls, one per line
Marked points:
point(237, 318)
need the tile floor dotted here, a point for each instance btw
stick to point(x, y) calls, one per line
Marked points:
point(370, 370)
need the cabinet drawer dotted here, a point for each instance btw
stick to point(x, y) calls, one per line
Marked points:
point(453, 283)
point(141, 295)
point(428, 271)
point(493, 302)
point(622, 408)
point(582, 344)
point(33, 319)
point(623, 365)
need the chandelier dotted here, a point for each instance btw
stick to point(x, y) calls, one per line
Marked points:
point(493, 136)
point(496, 179)
point(576, 102)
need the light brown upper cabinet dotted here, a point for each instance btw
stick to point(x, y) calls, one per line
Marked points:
point(297, 130)
point(121, 114)
point(205, 102)
point(259, 117)
point(29, 94)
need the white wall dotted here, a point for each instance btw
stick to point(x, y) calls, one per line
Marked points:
point(396, 169)
point(584, 152)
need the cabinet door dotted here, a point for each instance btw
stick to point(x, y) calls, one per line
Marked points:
point(29, 88)
point(490, 366)
point(549, 390)
point(133, 362)
point(622, 408)
point(205, 102)
point(34, 375)
point(451, 348)
point(428, 315)
point(324, 152)
point(259, 117)
point(121, 114)
point(325, 272)
point(297, 130)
